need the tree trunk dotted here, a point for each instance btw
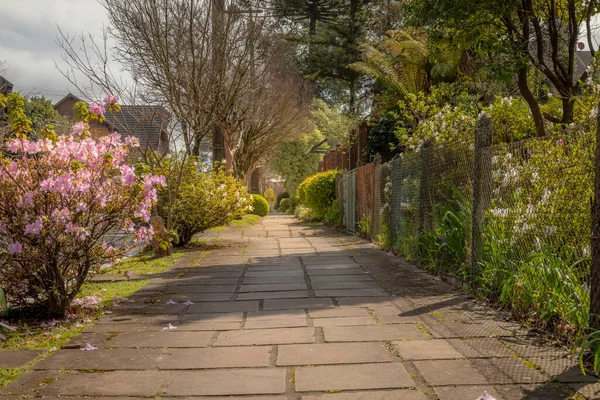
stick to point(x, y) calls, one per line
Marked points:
point(568, 104)
point(534, 106)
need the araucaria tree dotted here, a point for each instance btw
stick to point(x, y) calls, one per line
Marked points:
point(61, 199)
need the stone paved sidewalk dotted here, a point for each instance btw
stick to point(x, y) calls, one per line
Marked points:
point(288, 311)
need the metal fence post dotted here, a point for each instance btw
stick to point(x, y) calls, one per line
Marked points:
point(595, 239)
point(425, 184)
point(376, 177)
point(482, 180)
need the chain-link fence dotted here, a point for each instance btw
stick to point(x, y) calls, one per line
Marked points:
point(498, 217)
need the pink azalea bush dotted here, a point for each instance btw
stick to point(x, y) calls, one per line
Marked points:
point(62, 199)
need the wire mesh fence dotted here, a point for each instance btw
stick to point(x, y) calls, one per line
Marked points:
point(498, 217)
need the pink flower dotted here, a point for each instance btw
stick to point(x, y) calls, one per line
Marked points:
point(132, 141)
point(35, 227)
point(169, 328)
point(79, 128)
point(15, 248)
point(97, 109)
point(110, 100)
point(188, 303)
point(14, 146)
point(560, 142)
point(171, 302)
point(127, 175)
point(485, 396)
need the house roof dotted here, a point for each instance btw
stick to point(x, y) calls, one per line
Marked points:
point(144, 122)
point(5, 85)
point(147, 123)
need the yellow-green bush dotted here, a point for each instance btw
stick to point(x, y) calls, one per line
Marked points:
point(260, 205)
point(317, 192)
point(203, 200)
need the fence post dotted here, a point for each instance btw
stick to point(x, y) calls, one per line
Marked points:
point(425, 182)
point(595, 239)
point(482, 178)
point(376, 177)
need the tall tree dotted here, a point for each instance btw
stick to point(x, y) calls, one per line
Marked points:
point(523, 34)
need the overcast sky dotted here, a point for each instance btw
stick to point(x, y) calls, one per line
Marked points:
point(28, 30)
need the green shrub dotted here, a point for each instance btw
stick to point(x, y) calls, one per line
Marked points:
point(284, 205)
point(204, 200)
point(317, 192)
point(260, 205)
point(281, 196)
point(270, 195)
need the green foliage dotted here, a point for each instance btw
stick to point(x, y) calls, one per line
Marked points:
point(294, 162)
point(317, 192)
point(201, 200)
point(284, 205)
point(364, 226)
point(42, 114)
point(260, 206)
point(333, 214)
point(269, 195)
point(443, 248)
point(331, 123)
point(281, 196)
point(546, 291)
point(20, 123)
point(246, 220)
point(144, 263)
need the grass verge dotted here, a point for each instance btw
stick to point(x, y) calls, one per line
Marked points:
point(247, 220)
point(30, 336)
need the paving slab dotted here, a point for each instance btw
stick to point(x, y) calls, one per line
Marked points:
point(196, 297)
point(214, 317)
point(297, 304)
point(223, 307)
point(29, 381)
point(338, 312)
point(114, 383)
point(349, 377)
point(273, 287)
point(290, 294)
point(217, 357)
point(276, 323)
point(370, 395)
point(351, 293)
point(372, 333)
point(273, 279)
point(208, 326)
point(200, 289)
point(343, 321)
point(254, 337)
point(227, 382)
point(275, 315)
point(101, 359)
point(477, 372)
point(504, 392)
point(161, 339)
point(16, 358)
point(345, 285)
point(450, 349)
point(276, 274)
point(336, 272)
point(343, 278)
point(332, 353)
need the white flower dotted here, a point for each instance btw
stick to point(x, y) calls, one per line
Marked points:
point(499, 212)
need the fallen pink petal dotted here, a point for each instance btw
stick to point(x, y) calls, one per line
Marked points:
point(485, 396)
point(171, 302)
point(89, 347)
point(2, 337)
point(169, 328)
point(188, 303)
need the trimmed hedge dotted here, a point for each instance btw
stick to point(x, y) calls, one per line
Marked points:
point(317, 192)
point(260, 205)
